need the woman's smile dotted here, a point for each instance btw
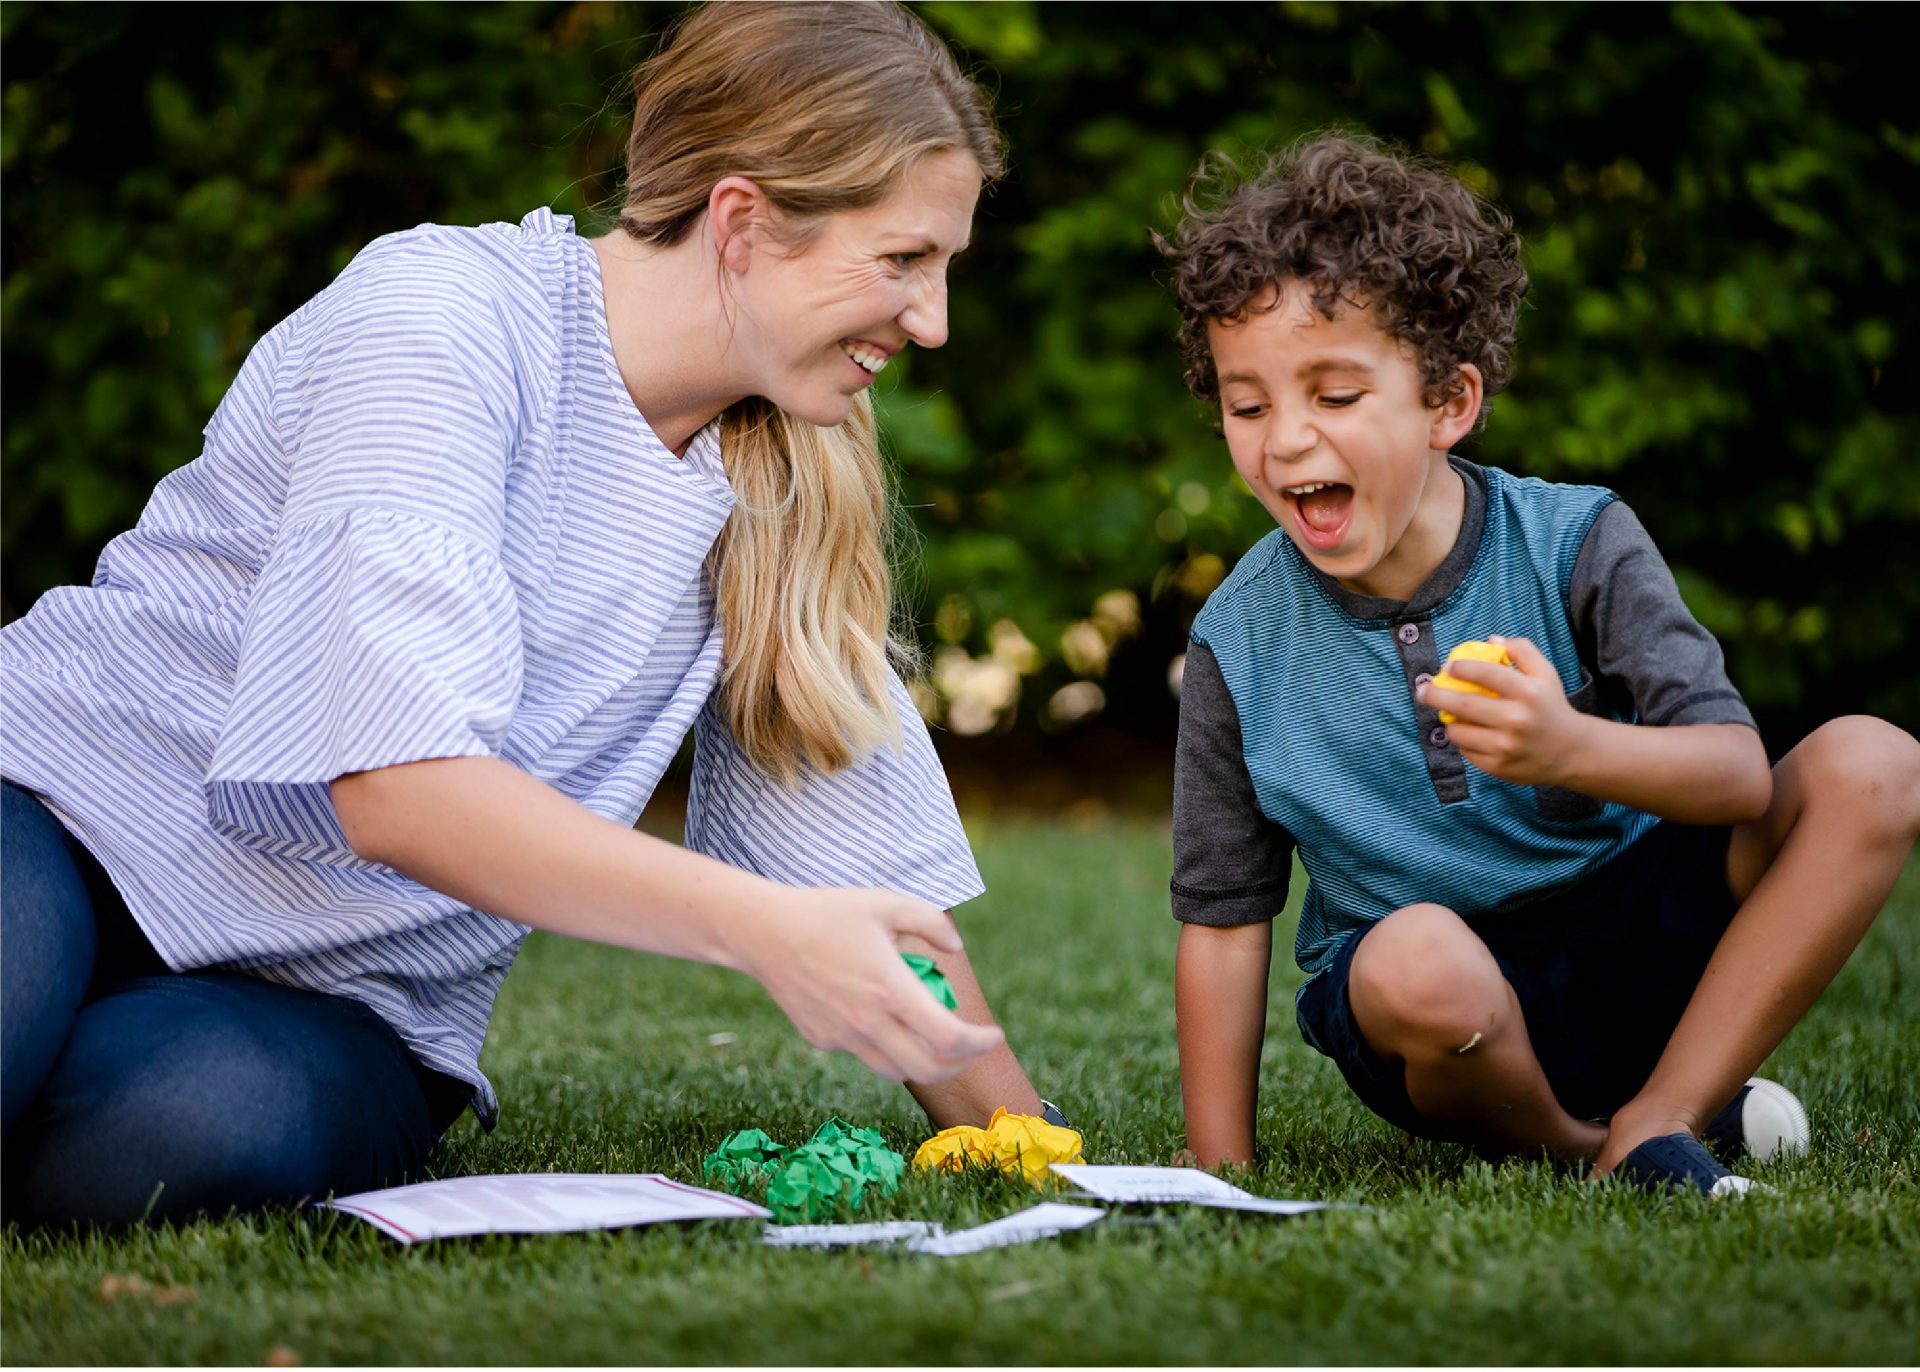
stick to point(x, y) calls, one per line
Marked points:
point(871, 358)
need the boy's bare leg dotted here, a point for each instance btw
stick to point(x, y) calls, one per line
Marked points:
point(1811, 875)
point(1427, 993)
point(994, 1080)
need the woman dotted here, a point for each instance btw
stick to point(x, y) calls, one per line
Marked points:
point(382, 679)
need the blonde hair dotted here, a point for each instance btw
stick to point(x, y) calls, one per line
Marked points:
point(824, 106)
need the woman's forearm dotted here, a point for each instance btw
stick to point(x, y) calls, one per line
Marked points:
point(495, 838)
point(488, 834)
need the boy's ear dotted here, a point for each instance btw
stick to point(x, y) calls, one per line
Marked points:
point(1453, 418)
point(736, 210)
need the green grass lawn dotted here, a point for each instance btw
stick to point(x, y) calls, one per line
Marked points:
point(605, 1064)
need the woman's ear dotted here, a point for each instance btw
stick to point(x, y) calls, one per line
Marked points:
point(1454, 417)
point(737, 211)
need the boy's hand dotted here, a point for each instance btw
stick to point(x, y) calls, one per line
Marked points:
point(1529, 734)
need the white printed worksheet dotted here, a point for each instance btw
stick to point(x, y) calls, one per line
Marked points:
point(538, 1203)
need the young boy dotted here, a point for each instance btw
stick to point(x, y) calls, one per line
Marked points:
point(1574, 920)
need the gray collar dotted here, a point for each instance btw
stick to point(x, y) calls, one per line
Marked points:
point(1446, 578)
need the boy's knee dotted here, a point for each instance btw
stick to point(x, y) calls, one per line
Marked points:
point(1424, 981)
point(1870, 766)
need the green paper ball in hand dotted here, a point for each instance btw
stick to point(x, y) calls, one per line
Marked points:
point(933, 978)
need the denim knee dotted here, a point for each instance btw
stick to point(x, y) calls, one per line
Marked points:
point(206, 1093)
point(47, 931)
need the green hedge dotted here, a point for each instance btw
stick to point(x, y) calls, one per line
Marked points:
point(1719, 205)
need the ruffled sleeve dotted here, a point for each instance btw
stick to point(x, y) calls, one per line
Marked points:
point(382, 627)
point(886, 822)
point(372, 639)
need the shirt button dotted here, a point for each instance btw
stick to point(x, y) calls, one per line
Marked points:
point(1408, 634)
point(1424, 679)
point(1438, 738)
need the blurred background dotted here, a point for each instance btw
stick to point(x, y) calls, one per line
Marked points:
point(1721, 206)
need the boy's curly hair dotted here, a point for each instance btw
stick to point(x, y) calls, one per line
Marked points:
point(1356, 224)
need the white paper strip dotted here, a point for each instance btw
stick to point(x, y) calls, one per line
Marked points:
point(1261, 1205)
point(844, 1235)
point(1147, 1184)
point(1173, 1185)
point(1043, 1221)
point(538, 1203)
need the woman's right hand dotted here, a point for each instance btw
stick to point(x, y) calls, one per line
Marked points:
point(488, 834)
point(830, 958)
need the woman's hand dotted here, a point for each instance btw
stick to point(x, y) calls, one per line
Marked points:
point(831, 961)
point(486, 833)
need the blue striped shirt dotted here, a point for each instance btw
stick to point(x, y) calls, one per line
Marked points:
point(428, 522)
point(1343, 761)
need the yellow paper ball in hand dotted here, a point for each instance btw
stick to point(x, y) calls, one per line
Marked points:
point(1473, 650)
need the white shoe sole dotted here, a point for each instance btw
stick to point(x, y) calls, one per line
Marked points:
point(1773, 1121)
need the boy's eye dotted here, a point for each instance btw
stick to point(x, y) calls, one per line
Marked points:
point(1340, 401)
point(1250, 410)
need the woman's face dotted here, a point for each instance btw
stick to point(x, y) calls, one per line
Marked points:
point(816, 325)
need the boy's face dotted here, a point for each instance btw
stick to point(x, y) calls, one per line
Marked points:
point(1327, 422)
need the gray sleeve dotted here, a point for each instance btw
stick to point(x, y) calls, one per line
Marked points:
point(1645, 644)
point(1231, 864)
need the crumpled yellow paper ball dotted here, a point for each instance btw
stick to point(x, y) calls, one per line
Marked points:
point(1473, 650)
point(1023, 1144)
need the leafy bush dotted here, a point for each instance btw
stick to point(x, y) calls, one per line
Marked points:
point(1719, 205)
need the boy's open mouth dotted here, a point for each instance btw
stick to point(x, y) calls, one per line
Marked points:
point(1325, 509)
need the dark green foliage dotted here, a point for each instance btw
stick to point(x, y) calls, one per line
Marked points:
point(1720, 205)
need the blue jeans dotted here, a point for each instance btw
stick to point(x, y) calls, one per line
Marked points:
point(131, 1092)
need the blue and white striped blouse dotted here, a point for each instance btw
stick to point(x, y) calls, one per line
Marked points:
point(428, 522)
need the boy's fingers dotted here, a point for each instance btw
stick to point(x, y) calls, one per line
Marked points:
point(1529, 659)
point(1494, 725)
point(1465, 707)
point(1491, 675)
point(1472, 739)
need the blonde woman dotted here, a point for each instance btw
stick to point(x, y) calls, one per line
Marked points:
point(383, 678)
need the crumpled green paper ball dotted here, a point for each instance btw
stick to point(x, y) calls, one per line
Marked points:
point(839, 1163)
point(933, 978)
point(866, 1149)
point(742, 1159)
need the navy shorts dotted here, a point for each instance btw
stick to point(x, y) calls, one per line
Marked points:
point(1602, 970)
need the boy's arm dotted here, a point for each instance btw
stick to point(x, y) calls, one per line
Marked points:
point(1231, 868)
point(1693, 773)
point(1694, 757)
point(1220, 998)
point(1531, 736)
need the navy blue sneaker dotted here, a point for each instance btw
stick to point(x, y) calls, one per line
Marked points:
point(1763, 1122)
point(1681, 1160)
